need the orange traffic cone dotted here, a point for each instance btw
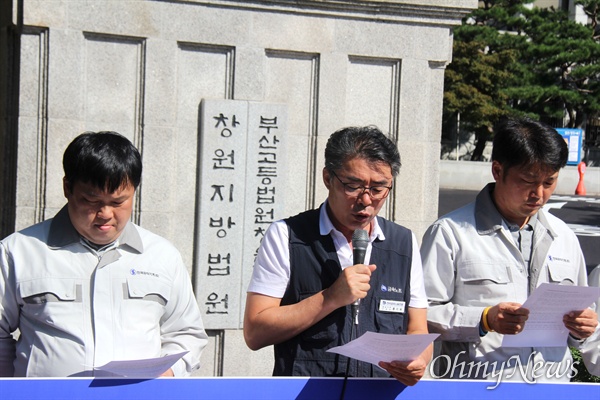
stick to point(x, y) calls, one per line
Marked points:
point(580, 190)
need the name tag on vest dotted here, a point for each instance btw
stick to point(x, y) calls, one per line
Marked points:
point(391, 306)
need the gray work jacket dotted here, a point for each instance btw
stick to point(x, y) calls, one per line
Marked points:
point(77, 309)
point(470, 261)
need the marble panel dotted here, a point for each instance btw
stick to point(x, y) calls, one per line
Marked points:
point(293, 79)
point(114, 84)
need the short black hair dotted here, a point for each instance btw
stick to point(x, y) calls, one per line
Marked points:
point(107, 160)
point(523, 142)
point(367, 142)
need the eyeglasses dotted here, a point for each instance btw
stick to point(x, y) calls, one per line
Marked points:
point(375, 192)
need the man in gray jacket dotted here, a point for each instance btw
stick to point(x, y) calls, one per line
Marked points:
point(482, 261)
point(88, 286)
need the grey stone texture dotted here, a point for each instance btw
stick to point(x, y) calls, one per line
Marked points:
point(143, 67)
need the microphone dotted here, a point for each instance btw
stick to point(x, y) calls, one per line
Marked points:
point(360, 241)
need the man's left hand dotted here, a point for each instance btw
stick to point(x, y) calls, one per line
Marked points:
point(407, 372)
point(581, 324)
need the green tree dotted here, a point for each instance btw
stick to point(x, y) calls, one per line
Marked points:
point(511, 59)
point(485, 61)
point(582, 375)
point(560, 69)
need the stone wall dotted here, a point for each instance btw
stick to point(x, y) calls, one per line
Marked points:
point(142, 68)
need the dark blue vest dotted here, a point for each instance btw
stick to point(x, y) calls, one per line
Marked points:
point(314, 266)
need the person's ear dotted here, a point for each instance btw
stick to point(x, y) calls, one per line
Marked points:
point(497, 170)
point(66, 187)
point(326, 178)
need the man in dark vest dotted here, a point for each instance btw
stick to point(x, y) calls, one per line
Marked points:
point(305, 282)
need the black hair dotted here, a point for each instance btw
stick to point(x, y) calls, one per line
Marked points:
point(107, 160)
point(367, 143)
point(523, 142)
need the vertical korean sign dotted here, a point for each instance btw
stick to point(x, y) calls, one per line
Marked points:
point(240, 175)
point(266, 171)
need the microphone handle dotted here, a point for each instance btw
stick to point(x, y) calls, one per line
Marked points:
point(355, 311)
point(359, 258)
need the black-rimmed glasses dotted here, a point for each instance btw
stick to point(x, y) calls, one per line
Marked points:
point(375, 192)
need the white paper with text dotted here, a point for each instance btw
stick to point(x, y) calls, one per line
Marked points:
point(547, 305)
point(375, 347)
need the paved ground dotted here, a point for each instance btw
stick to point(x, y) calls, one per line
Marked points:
point(581, 213)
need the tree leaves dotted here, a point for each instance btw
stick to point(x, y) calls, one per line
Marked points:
point(513, 59)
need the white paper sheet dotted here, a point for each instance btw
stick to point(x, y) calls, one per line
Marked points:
point(375, 347)
point(147, 368)
point(547, 305)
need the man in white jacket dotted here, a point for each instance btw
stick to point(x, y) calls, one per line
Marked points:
point(88, 286)
point(482, 261)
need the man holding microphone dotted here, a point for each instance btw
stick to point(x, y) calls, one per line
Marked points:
point(305, 281)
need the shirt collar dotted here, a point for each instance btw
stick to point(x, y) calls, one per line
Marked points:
point(63, 233)
point(326, 226)
point(529, 226)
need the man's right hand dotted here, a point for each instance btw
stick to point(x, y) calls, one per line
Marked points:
point(507, 318)
point(267, 322)
point(352, 284)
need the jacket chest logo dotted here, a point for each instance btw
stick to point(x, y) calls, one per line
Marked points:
point(134, 272)
point(391, 289)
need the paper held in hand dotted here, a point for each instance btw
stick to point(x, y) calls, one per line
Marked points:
point(547, 305)
point(375, 347)
point(147, 368)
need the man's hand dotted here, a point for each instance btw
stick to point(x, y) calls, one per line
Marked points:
point(168, 373)
point(507, 318)
point(352, 284)
point(407, 372)
point(410, 372)
point(581, 324)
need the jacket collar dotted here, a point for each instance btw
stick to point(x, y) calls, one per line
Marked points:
point(63, 233)
point(489, 219)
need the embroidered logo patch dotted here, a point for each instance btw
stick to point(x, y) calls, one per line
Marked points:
point(552, 258)
point(391, 289)
point(133, 271)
